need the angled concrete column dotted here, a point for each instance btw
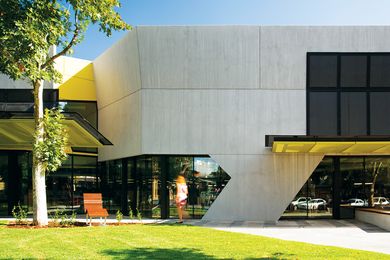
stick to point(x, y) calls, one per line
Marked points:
point(261, 186)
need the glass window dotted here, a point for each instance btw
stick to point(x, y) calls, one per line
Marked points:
point(315, 197)
point(88, 110)
point(3, 184)
point(84, 178)
point(322, 70)
point(380, 68)
point(110, 174)
point(353, 71)
point(205, 184)
point(59, 187)
point(353, 113)
point(323, 113)
point(175, 165)
point(378, 182)
point(379, 112)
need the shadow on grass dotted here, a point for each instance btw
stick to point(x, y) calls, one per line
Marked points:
point(179, 253)
point(157, 253)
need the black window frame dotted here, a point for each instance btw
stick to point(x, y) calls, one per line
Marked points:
point(338, 89)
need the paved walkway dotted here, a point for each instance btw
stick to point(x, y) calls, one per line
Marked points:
point(342, 233)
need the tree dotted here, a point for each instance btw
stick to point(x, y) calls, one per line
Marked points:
point(375, 172)
point(28, 28)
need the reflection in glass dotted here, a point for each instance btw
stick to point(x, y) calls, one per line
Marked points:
point(59, 187)
point(3, 185)
point(84, 178)
point(315, 197)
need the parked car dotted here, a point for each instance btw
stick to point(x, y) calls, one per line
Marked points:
point(294, 204)
point(313, 204)
point(357, 202)
point(382, 201)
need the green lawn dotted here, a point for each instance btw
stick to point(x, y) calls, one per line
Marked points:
point(159, 242)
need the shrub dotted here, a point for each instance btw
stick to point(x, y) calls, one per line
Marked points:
point(55, 217)
point(119, 216)
point(19, 214)
point(60, 217)
point(139, 215)
point(131, 214)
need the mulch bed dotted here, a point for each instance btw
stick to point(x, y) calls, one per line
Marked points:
point(29, 225)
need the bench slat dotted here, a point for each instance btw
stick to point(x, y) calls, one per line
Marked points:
point(93, 205)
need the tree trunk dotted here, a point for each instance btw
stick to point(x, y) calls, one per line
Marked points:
point(38, 169)
point(372, 187)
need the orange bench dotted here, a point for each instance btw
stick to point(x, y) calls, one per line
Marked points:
point(93, 207)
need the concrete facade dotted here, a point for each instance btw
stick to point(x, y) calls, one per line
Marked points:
point(218, 90)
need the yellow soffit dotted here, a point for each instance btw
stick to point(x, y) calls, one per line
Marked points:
point(17, 134)
point(332, 147)
point(80, 87)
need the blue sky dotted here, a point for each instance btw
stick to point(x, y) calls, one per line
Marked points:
point(241, 12)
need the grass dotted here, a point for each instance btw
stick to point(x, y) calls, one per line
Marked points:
point(159, 242)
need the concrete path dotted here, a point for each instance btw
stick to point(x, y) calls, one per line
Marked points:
point(341, 233)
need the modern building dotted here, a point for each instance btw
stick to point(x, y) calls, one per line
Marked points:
point(274, 121)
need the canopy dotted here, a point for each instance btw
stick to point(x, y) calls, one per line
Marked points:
point(330, 145)
point(17, 129)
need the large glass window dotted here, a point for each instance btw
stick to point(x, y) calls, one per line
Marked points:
point(150, 184)
point(379, 112)
point(3, 185)
point(323, 111)
point(340, 184)
point(358, 101)
point(353, 113)
point(353, 71)
point(86, 109)
point(323, 70)
point(380, 67)
point(59, 187)
point(84, 178)
point(315, 197)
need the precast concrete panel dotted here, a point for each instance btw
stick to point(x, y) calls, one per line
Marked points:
point(261, 186)
point(6, 82)
point(218, 121)
point(219, 90)
point(117, 73)
point(120, 122)
point(199, 56)
point(283, 49)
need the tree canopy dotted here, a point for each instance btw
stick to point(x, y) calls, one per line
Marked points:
point(28, 28)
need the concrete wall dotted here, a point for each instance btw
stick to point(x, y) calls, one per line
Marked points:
point(381, 220)
point(118, 84)
point(6, 82)
point(219, 90)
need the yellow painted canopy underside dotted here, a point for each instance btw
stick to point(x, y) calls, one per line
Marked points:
point(17, 134)
point(332, 148)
